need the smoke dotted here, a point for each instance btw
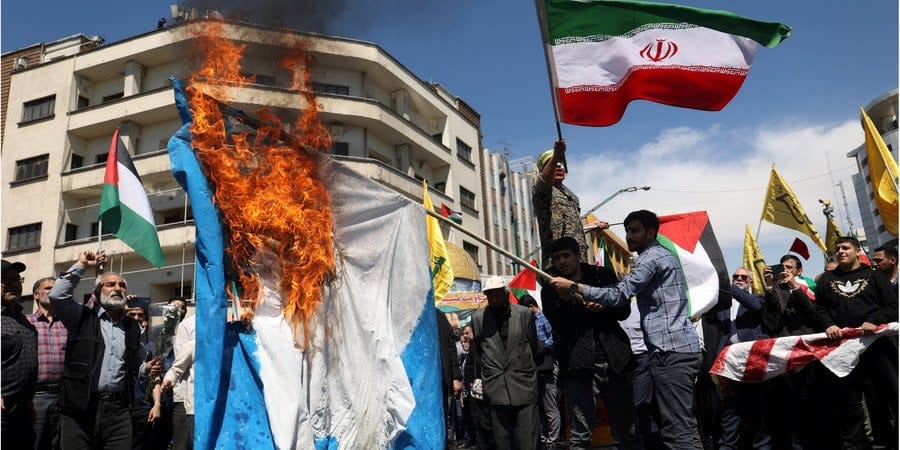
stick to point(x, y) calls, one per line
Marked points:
point(348, 18)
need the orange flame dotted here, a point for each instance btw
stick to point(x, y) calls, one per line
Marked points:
point(269, 195)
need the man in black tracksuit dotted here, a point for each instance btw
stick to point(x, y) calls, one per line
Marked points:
point(855, 296)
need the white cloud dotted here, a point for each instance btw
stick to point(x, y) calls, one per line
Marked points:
point(725, 172)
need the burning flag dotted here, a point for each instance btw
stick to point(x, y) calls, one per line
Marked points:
point(691, 238)
point(332, 351)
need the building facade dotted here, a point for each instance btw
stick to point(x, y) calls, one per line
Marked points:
point(883, 112)
point(62, 104)
point(508, 217)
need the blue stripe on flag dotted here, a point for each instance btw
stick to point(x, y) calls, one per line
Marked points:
point(422, 360)
point(229, 406)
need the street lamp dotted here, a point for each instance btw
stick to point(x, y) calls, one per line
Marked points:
point(614, 194)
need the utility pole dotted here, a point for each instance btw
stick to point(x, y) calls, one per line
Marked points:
point(851, 229)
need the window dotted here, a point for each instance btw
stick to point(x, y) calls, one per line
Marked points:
point(95, 228)
point(77, 161)
point(30, 168)
point(472, 250)
point(441, 186)
point(71, 232)
point(24, 237)
point(112, 97)
point(340, 148)
point(101, 158)
point(467, 198)
point(83, 102)
point(38, 109)
point(325, 88)
point(463, 151)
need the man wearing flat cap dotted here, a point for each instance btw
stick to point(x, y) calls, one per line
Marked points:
point(505, 349)
point(19, 365)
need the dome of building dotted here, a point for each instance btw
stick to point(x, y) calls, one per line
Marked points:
point(462, 264)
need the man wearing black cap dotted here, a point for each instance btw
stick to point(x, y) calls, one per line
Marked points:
point(19, 366)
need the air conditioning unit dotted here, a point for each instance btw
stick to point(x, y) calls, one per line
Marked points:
point(21, 63)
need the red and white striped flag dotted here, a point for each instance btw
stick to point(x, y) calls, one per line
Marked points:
point(756, 361)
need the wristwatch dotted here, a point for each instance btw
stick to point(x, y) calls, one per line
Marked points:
point(573, 289)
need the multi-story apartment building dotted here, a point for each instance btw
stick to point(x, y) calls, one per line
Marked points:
point(64, 99)
point(508, 217)
point(883, 112)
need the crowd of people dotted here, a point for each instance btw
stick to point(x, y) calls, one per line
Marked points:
point(87, 374)
point(532, 375)
point(518, 376)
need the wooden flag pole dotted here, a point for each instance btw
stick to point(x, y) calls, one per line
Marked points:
point(490, 245)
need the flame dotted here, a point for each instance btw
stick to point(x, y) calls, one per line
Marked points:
point(269, 195)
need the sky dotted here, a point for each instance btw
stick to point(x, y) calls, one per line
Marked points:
point(798, 108)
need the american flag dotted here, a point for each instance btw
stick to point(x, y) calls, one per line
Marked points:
point(756, 361)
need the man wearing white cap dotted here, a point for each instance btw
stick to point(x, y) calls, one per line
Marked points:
point(506, 347)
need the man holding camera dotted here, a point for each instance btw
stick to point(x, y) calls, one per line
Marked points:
point(787, 311)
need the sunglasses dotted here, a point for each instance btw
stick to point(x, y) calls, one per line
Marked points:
point(740, 277)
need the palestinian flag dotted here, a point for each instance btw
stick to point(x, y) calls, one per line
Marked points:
point(605, 53)
point(525, 282)
point(455, 216)
point(690, 237)
point(124, 208)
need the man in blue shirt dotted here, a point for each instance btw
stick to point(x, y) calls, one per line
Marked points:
point(658, 283)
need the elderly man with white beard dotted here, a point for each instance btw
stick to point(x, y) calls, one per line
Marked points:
point(102, 358)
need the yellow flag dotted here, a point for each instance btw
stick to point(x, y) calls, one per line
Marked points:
point(782, 207)
point(832, 232)
point(754, 261)
point(441, 273)
point(883, 171)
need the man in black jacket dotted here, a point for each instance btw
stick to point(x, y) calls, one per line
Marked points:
point(20, 363)
point(103, 357)
point(855, 296)
point(593, 351)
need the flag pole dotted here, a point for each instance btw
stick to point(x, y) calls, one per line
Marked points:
point(545, 38)
point(490, 245)
point(99, 242)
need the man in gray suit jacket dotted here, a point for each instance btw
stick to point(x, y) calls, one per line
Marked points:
point(507, 347)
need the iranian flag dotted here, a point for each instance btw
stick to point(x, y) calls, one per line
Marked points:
point(525, 282)
point(690, 238)
point(124, 207)
point(605, 53)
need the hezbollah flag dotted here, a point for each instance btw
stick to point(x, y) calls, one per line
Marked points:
point(782, 207)
point(441, 272)
point(883, 171)
point(124, 208)
point(832, 232)
point(605, 53)
point(754, 261)
point(691, 239)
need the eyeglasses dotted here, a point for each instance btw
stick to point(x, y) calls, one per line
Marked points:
point(740, 277)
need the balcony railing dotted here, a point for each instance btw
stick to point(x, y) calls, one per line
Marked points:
point(171, 208)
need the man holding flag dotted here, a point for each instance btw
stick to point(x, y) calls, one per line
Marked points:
point(855, 296)
point(658, 283)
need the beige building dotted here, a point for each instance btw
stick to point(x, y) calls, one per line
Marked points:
point(64, 99)
point(508, 216)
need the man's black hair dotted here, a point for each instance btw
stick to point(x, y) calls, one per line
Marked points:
point(796, 259)
point(848, 239)
point(647, 218)
point(889, 251)
point(565, 243)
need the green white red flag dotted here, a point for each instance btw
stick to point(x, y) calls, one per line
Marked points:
point(605, 53)
point(691, 239)
point(124, 207)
